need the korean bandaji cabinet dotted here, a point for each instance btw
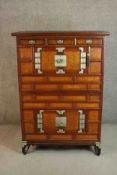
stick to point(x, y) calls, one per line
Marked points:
point(61, 87)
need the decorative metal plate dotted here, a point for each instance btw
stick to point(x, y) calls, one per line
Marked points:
point(60, 60)
point(60, 41)
point(31, 41)
point(89, 41)
point(61, 121)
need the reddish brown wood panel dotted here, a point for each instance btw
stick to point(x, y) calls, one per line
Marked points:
point(71, 91)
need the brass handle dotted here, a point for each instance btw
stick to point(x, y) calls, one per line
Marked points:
point(31, 42)
point(59, 41)
point(89, 41)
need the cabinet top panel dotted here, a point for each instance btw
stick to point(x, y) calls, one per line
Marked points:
point(62, 33)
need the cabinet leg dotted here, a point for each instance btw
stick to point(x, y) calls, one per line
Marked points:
point(25, 149)
point(97, 149)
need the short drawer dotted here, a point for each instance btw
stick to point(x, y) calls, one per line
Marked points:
point(60, 98)
point(60, 41)
point(61, 105)
point(89, 41)
point(31, 41)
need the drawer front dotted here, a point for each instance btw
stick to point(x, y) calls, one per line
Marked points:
point(89, 41)
point(61, 79)
point(61, 122)
point(31, 41)
point(60, 98)
point(59, 88)
point(59, 105)
point(60, 41)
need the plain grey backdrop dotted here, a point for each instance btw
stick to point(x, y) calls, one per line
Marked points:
point(17, 15)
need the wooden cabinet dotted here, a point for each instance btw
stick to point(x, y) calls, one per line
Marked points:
point(61, 87)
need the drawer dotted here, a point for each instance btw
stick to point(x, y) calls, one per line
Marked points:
point(61, 105)
point(88, 79)
point(61, 121)
point(89, 41)
point(53, 87)
point(60, 79)
point(94, 68)
point(52, 98)
point(25, 53)
point(60, 41)
point(27, 68)
point(60, 87)
point(31, 41)
point(60, 98)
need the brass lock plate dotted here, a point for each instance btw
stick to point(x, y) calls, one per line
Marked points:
point(61, 121)
point(60, 61)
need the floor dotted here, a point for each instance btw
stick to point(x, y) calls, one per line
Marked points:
point(80, 161)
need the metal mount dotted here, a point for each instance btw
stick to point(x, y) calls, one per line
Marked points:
point(60, 49)
point(60, 60)
point(61, 112)
point(60, 41)
point(40, 121)
point(82, 60)
point(38, 60)
point(31, 41)
point(61, 131)
point(61, 121)
point(81, 121)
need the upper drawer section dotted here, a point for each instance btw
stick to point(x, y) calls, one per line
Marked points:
point(59, 41)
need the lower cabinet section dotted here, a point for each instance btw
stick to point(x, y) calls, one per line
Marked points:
point(61, 124)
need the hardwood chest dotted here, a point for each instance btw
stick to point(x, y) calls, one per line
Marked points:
point(61, 87)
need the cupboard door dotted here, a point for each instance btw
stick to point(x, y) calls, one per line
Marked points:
point(59, 60)
point(61, 121)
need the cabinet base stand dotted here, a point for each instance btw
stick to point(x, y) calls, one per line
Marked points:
point(97, 148)
point(26, 146)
